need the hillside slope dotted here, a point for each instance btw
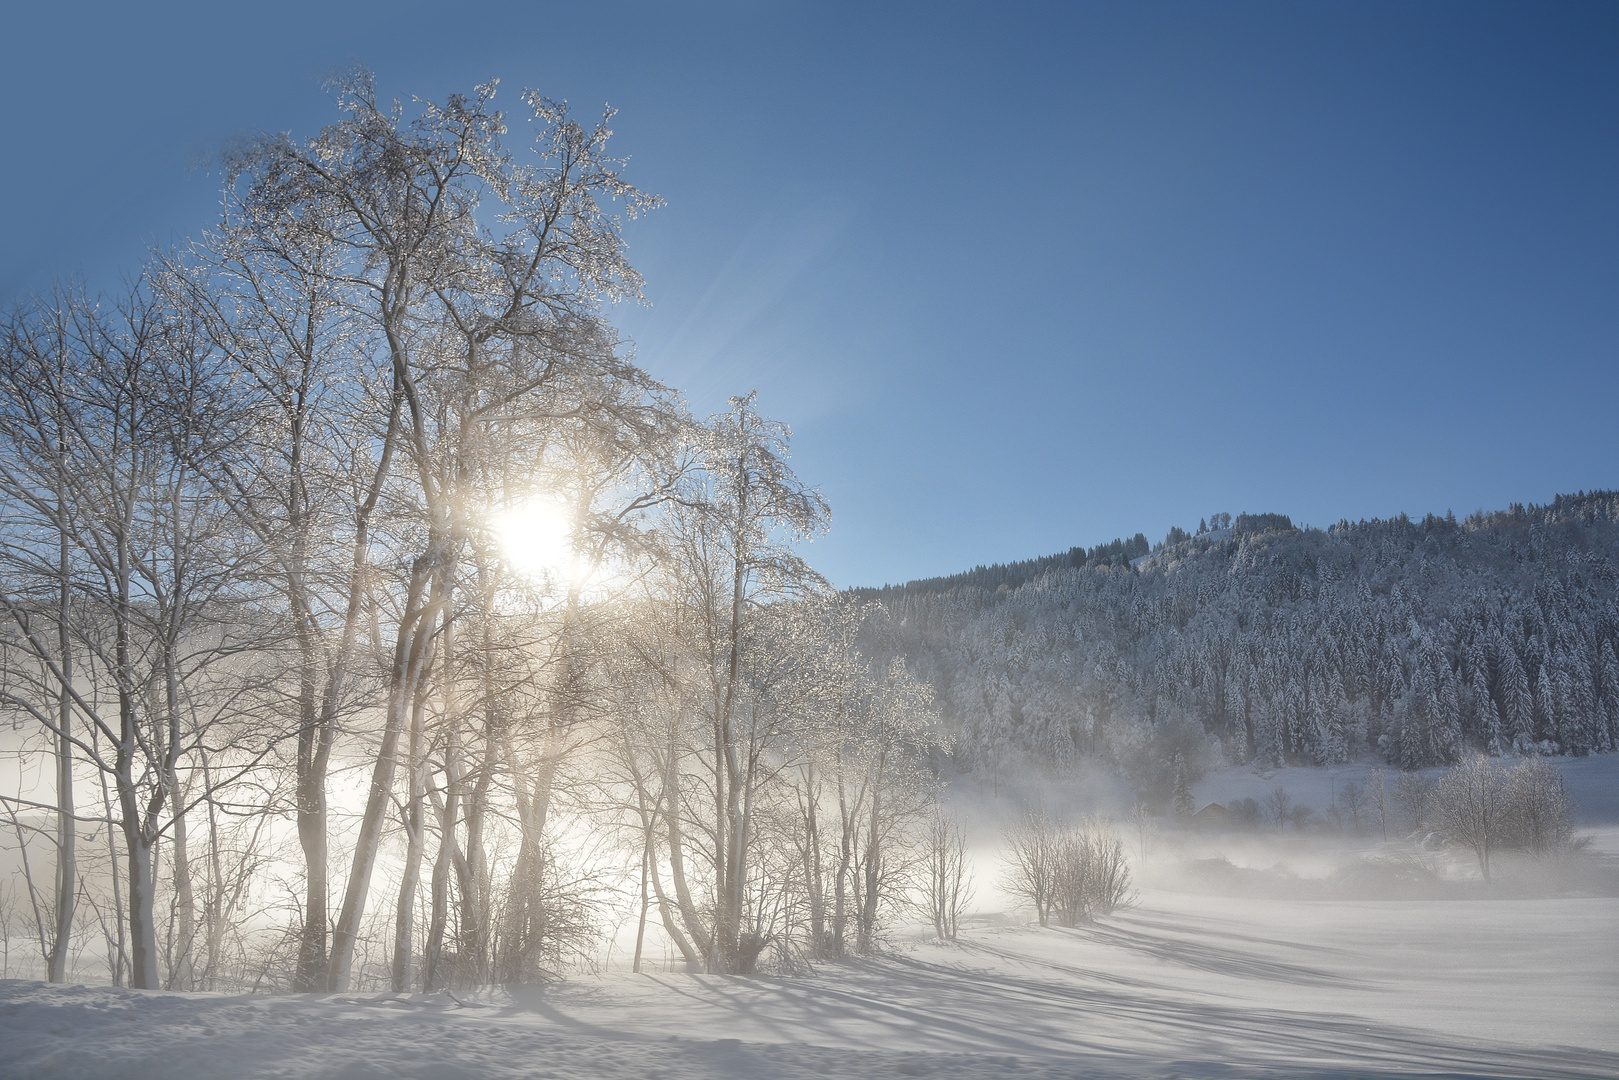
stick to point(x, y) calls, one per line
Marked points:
point(1413, 641)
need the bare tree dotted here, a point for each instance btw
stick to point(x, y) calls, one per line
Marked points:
point(1032, 859)
point(1349, 805)
point(477, 324)
point(104, 505)
point(1471, 807)
point(303, 468)
point(1377, 796)
point(949, 883)
point(47, 494)
point(1141, 820)
point(1539, 817)
point(1280, 807)
point(1415, 793)
point(730, 556)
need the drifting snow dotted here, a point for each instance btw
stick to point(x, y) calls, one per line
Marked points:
point(1182, 985)
point(1246, 956)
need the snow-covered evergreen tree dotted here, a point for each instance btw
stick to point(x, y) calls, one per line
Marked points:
point(1417, 639)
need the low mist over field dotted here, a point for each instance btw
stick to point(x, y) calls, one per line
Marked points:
point(1261, 951)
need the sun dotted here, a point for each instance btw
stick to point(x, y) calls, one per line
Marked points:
point(537, 539)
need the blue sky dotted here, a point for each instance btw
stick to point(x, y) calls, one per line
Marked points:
point(1019, 277)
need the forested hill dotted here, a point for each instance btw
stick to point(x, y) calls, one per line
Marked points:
point(1256, 641)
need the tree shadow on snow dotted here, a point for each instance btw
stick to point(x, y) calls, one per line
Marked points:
point(1104, 1026)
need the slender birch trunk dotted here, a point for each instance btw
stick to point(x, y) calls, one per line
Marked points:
point(67, 874)
point(415, 845)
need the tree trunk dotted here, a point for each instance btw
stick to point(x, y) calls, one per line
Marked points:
point(67, 873)
point(528, 921)
point(310, 976)
point(433, 975)
point(315, 738)
point(411, 650)
point(812, 864)
point(142, 923)
point(182, 968)
point(214, 913)
point(473, 871)
point(182, 965)
point(729, 848)
point(310, 798)
point(690, 955)
point(873, 868)
point(690, 918)
point(117, 946)
point(640, 926)
point(840, 896)
point(415, 844)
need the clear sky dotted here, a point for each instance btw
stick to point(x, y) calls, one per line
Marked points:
point(1020, 277)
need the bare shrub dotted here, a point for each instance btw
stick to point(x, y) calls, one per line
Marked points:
point(548, 917)
point(1093, 875)
point(1070, 873)
point(1280, 808)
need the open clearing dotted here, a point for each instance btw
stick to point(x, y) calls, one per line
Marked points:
point(1182, 985)
point(1520, 979)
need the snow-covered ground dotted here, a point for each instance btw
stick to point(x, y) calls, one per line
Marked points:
point(1182, 985)
point(1245, 957)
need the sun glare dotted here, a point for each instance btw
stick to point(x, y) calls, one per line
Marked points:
point(537, 540)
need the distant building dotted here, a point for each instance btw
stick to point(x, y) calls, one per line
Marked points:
point(1214, 816)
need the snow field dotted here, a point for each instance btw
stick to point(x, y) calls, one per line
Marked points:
point(1182, 985)
point(1185, 984)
